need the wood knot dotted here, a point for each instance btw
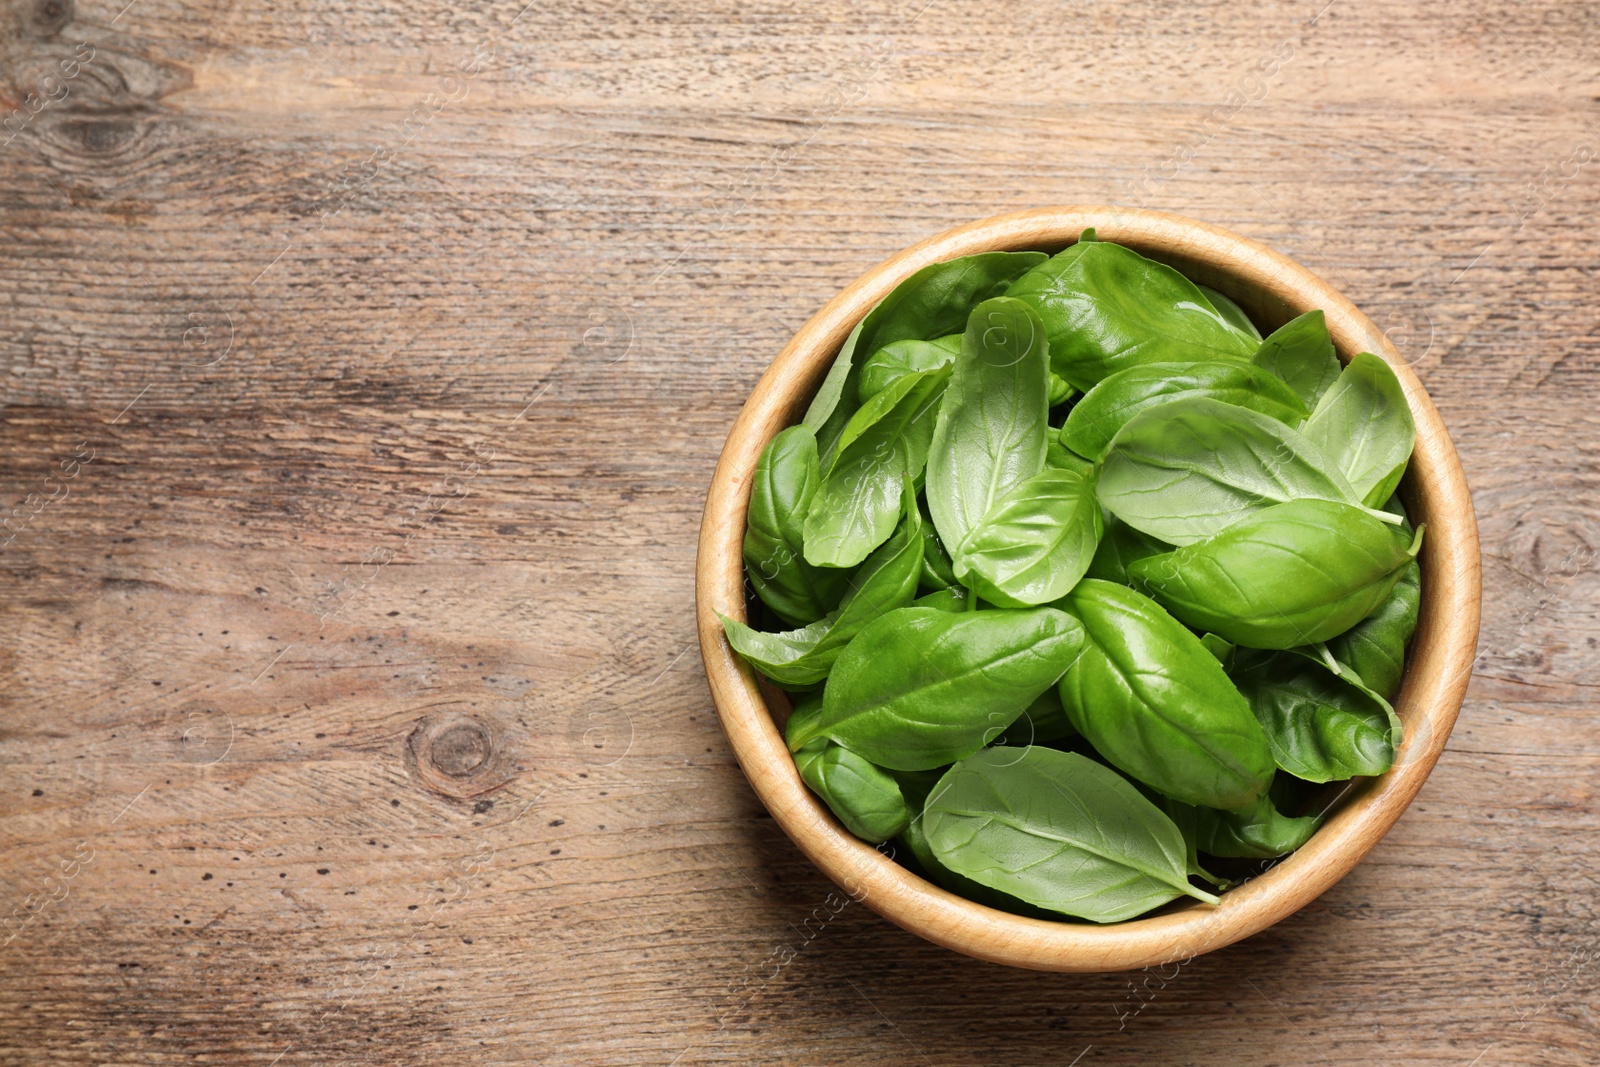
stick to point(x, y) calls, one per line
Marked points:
point(460, 754)
point(47, 17)
point(462, 749)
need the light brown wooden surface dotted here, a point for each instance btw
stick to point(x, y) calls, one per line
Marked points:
point(313, 545)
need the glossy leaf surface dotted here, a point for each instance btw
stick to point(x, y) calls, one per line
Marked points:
point(1231, 313)
point(1106, 308)
point(887, 580)
point(1364, 426)
point(1186, 469)
point(786, 478)
point(1059, 831)
point(1157, 705)
point(920, 688)
point(1119, 546)
point(885, 443)
point(1260, 832)
point(895, 361)
point(1320, 728)
point(1301, 353)
point(1375, 647)
point(1290, 575)
point(933, 302)
point(1108, 406)
point(1034, 545)
point(863, 796)
point(990, 435)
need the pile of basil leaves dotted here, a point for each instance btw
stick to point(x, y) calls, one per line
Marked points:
point(1076, 578)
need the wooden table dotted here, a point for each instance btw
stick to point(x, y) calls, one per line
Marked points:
point(364, 368)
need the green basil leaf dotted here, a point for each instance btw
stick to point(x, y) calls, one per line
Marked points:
point(1120, 545)
point(955, 600)
point(1219, 647)
point(1301, 353)
point(786, 478)
point(885, 443)
point(1106, 307)
point(1034, 545)
point(1186, 469)
point(887, 580)
point(1059, 390)
point(990, 435)
point(1062, 458)
point(919, 687)
point(1044, 722)
point(1158, 706)
point(1375, 647)
point(785, 657)
point(915, 840)
point(1259, 832)
point(1321, 728)
point(1231, 313)
point(933, 301)
point(1364, 425)
point(806, 708)
point(1108, 406)
point(863, 796)
point(1059, 831)
point(1290, 575)
point(937, 570)
point(895, 361)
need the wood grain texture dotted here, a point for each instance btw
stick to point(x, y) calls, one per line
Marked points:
point(297, 311)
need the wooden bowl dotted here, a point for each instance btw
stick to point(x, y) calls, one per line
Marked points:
point(1273, 289)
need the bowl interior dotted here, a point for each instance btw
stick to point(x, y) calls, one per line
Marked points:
point(1272, 289)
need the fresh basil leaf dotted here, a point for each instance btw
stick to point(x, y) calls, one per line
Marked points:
point(1219, 647)
point(1364, 425)
point(955, 600)
point(1059, 831)
point(1120, 545)
point(915, 840)
point(787, 476)
point(1231, 313)
point(1290, 575)
point(894, 361)
point(1375, 647)
point(1320, 727)
point(1062, 458)
point(1107, 407)
point(937, 570)
point(990, 436)
point(806, 708)
point(1106, 307)
point(1186, 469)
point(1186, 818)
point(785, 657)
point(932, 302)
point(1157, 705)
point(1059, 390)
point(1259, 832)
point(919, 688)
point(1044, 722)
point(863, 796)
point(1035, 543)
point(1301, 353)
point(885, 443)
point(887, 580)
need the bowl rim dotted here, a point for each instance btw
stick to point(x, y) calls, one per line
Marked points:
point(1273, 288)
